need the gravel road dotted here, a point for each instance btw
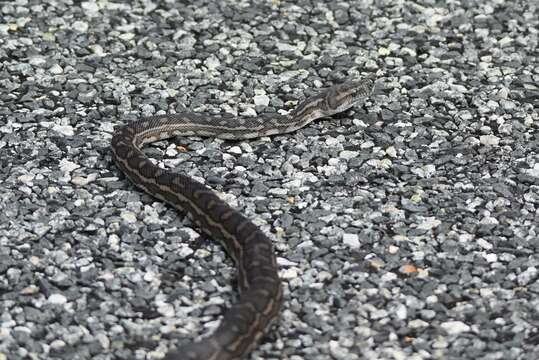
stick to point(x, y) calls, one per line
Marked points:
point(406, 228)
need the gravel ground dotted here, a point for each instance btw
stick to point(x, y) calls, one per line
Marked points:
point(406, 228)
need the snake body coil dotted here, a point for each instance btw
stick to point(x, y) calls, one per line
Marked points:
point(246, 322)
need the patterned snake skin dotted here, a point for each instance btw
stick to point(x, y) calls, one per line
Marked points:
point(261, 295)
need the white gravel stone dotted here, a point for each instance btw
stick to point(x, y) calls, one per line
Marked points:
point(91, 8)
point(103, 340)
point(455, 327)
point(128, 216)
point(26, 179)
point(278, 191)
point(246, 147)
point(367, 144)
point(533, 172)
point(37, 60)
point(351, 240)
point(391, 151)
point(285, 262)
point(293, 184)
point(379, 314)
point(506, 40)
point(212, 63)
point(57, 344)
point(491, 140)
point(425, 171)
point(235, 150)
point(97, 49)
point(185, 251)
point(347, 154)
point(389, 276)
point(68, 166)
point(484, 244)
point(331, 142)
point(286, 47)
point(429, 223)
point(81, 26)
point(290, 273)
point(527, 276)
point(491, 258)
point(56, 69)
point(261, 100)
point(57, 299)
point(401, 311)
point(66, 130)
point(380, 163)
point(417, 324)
point(382, 51)
point(81, 180)
point(166, 310)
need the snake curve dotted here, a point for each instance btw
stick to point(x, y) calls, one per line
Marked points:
point(261, 295)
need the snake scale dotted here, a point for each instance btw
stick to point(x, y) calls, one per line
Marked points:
point(261, 294)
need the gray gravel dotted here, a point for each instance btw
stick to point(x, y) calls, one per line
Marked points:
point(405, 229)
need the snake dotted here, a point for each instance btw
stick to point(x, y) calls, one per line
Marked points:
point(247, 321)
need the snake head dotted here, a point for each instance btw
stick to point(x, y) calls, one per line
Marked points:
point(343, 96)
point(332, 100)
